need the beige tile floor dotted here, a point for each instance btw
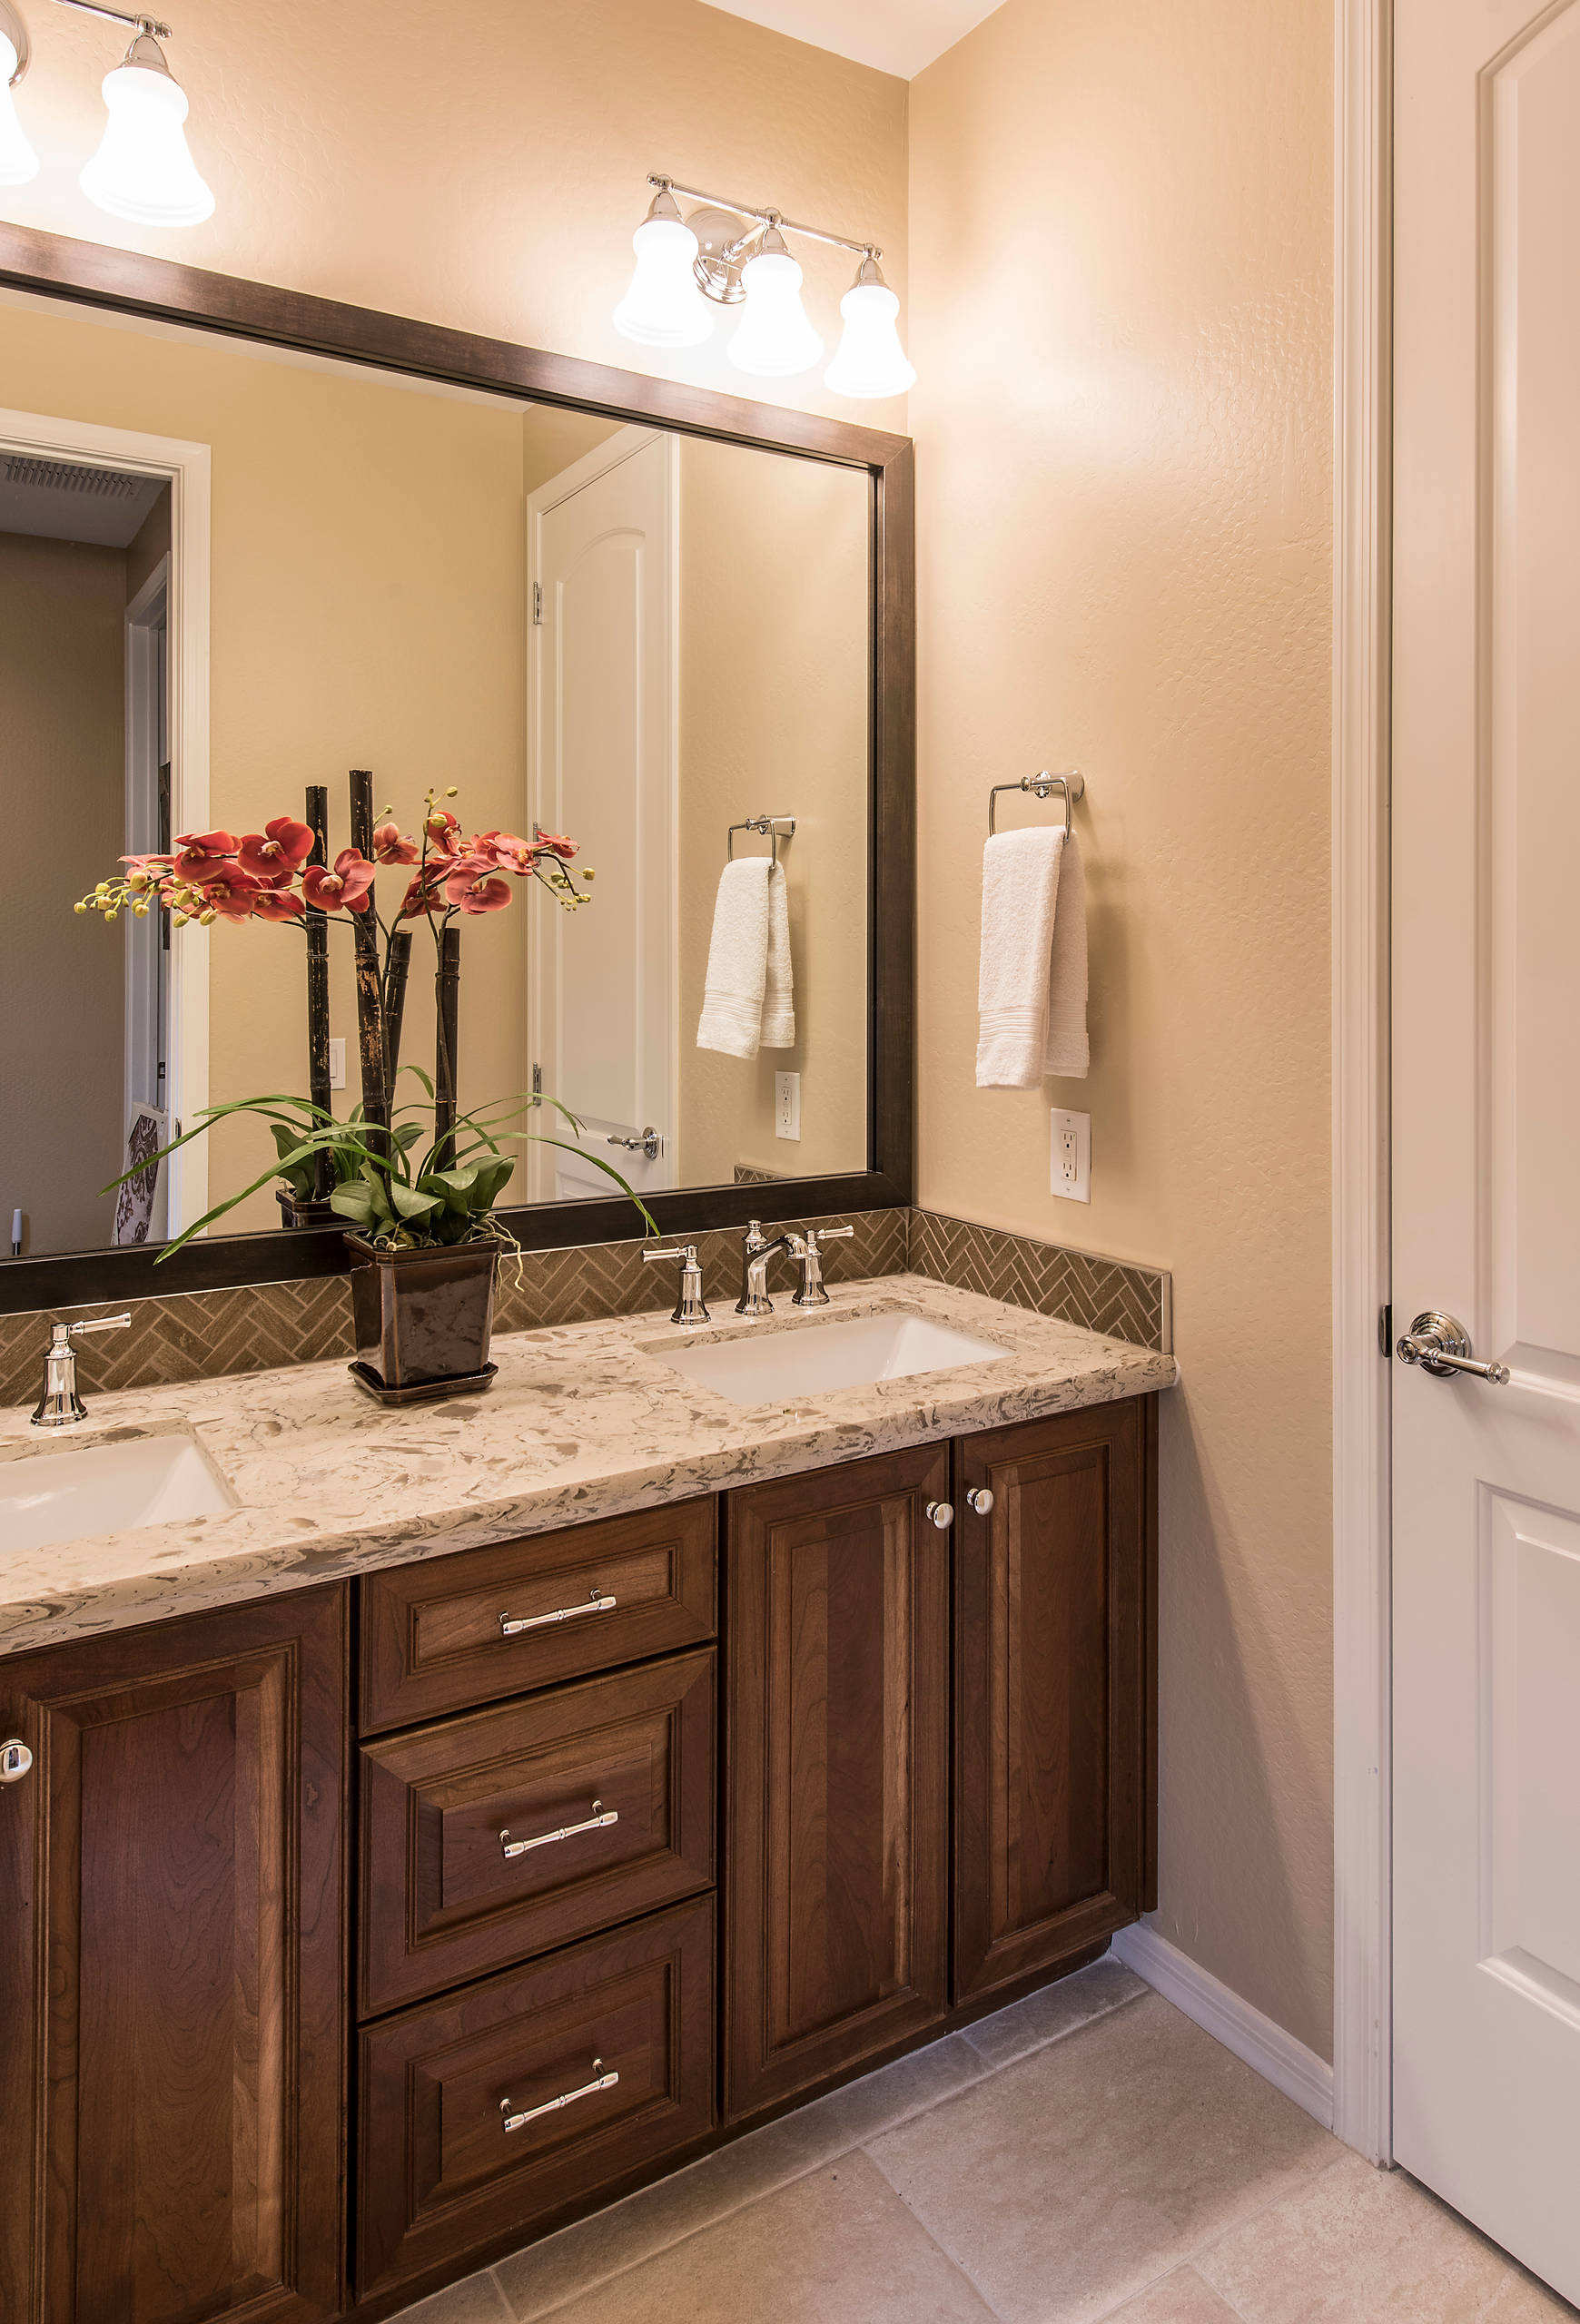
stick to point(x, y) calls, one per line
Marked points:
point(1086, 2154)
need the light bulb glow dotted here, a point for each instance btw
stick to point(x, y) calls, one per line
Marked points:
point(142, 169)
point(18, 161)
point(663, 306)
point(870, 361)
point(773, 339)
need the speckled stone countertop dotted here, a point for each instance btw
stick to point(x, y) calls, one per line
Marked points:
point(583, 1422)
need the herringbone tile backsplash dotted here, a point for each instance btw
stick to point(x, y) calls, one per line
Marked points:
point(201, 1334)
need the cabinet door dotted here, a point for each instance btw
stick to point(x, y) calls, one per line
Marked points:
point(1053, 1735)
point(837, 1684)
point(173, 1977)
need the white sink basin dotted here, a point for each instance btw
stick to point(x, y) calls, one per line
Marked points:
point(768, 1365)
point(91, 1488)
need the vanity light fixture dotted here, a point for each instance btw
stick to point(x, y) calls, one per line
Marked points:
point(736, 255)
point(18, 161)
point(142, 169)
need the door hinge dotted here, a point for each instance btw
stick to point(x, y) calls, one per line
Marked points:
point(1385, 1331)
point(538, 605)
point(538, 1081)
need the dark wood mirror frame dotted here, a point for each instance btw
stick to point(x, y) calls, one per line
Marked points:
point(91, 273)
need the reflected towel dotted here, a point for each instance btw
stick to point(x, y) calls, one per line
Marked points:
point(749, 998)
point(1031, 984)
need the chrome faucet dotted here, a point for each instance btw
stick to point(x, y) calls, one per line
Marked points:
point(812, 1292)
point(755, 1253)
point(689, 1305)
point(60, 1406)
point(806, 1248)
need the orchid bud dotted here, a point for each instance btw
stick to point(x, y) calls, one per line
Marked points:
point(206, 918)
point(79, 907)
point(452, 792)
point(110, 912)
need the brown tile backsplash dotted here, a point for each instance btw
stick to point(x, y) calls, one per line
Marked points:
point(201, 1334)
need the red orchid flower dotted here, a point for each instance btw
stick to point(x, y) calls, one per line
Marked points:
point(422, 895)
point(503, 848)
point(278, 903)
point(201, 852)
point(554, 843)
point(443, 832)
point(482, 895)
point(151, 866)
point(462, 872)
point(232, 891)
point(273, 855)
point(391, 847)
point(345, 887)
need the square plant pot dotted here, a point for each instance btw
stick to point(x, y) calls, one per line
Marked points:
point(424, 1316)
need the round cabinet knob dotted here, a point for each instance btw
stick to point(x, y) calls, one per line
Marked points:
point(941, 1512)
point(15, 1759)
point(981, 1498)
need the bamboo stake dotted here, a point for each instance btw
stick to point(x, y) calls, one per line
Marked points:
point(318, 990)
point(370, 998)
point(395, 1004)
point(447, 1002)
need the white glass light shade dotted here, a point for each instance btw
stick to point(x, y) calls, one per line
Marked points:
point(774, 338)
point(870, 361)
point(18, 161)
point(663, 306)
point(142, 169)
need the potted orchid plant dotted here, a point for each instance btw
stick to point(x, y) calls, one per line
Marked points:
point(417, 1184)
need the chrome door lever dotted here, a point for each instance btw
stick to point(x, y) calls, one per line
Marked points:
point(648, 1142)
point(1440, 1345)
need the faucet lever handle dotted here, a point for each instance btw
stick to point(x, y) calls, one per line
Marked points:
point(818, 1235)
point(690, 1307)
point(99, 1324)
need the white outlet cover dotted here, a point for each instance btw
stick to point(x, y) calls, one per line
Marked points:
point(336, 1049)
point(787, 1106)
point(1069, 1156)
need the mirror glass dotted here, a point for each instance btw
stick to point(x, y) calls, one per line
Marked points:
point(228, 574)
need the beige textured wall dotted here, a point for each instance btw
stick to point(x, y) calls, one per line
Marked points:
point(774, 718)
point(485, 166)
point(63, 777)
point(1120, 229)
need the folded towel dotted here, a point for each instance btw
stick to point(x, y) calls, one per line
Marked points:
point(748, 998)
point(1031, 984)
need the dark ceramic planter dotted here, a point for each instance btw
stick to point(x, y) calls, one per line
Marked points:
point(293, 1213)
point(423, 1316)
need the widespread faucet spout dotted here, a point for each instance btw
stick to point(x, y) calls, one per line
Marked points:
point(755, 1253)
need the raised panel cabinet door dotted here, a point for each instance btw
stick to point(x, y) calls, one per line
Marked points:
point(1054, 1731)
point(173, 1982)
point(837, 1688)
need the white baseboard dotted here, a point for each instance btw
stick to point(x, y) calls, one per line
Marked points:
point(1276, 2055)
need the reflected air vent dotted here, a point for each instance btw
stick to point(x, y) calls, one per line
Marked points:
point(61, 476)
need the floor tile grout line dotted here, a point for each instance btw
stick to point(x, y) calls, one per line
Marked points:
point(856, 2146)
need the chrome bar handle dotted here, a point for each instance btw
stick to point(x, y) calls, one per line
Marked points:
point(647, 1141)
point(510, 2120)
point(596, 1822)
point(1440, 1345)
point(599, 1601)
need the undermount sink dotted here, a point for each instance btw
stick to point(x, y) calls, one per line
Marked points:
point(811, 1359)
point(76, 1494)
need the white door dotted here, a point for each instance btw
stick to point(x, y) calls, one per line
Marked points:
point(1487, 1115)
point(604, 1004)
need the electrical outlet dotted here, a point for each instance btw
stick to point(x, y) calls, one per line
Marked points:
point(1070, 1172)
point(336, 1049)
point(787, 1106)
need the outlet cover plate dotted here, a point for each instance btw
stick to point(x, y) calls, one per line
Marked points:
point(787, 1106)
point(1070, 1171)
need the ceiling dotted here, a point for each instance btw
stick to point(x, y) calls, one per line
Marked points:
point(897, 36)
point(64, 500)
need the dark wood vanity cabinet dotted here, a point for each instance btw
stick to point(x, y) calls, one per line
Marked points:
point(836, 1936)
point(255, 1952)
point(1054, 1538)
point(173, 1974)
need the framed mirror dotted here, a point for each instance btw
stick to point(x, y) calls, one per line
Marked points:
point(250, 542)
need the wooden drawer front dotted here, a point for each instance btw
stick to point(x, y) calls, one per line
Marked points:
point(440, 1899)
point(433, 1633)
point(439, 2175)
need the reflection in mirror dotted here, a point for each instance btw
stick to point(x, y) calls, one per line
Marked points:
point(229, 573)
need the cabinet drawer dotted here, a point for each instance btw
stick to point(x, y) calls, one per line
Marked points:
point(437, 1636)
point(613, 1779)
point(439, 2175)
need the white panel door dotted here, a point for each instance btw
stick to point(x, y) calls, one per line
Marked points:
point(604, 1004)
point(1487, 1115)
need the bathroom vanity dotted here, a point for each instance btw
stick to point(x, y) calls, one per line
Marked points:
point(636, 1766)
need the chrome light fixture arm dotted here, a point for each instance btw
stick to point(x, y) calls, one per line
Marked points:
point(762, 218)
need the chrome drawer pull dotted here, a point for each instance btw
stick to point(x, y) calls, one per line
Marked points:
point(512, 1625)
point(509, 2121)
point(595, 1823)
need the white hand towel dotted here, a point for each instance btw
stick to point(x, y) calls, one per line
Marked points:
point(747, 997)
point(1031, 984)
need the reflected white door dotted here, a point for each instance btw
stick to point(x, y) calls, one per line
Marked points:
point(1487, 1115)
point(604, 1002)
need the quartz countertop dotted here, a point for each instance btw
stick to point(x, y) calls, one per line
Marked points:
point(584, 1421)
